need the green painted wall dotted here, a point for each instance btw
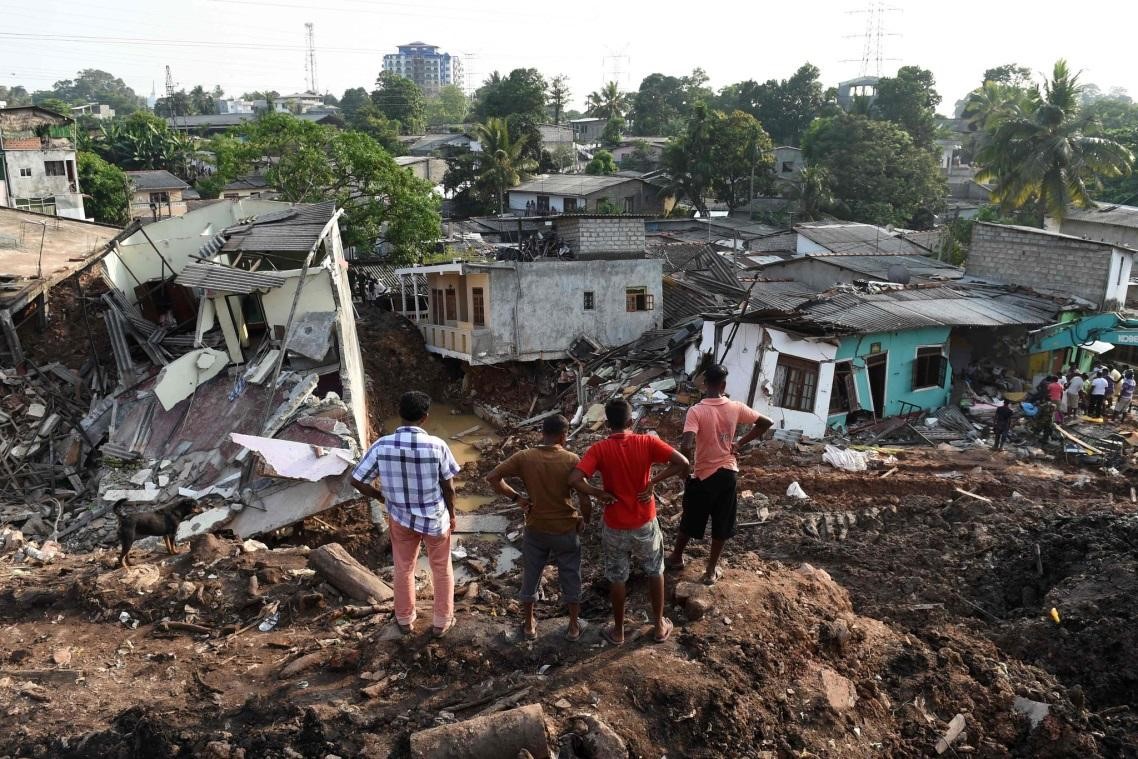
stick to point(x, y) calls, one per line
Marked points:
point(901, 350)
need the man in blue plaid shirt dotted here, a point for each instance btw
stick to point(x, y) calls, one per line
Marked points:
point(415, 473)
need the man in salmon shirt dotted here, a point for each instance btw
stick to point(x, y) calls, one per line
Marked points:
point(625, 461)
point(709, 438)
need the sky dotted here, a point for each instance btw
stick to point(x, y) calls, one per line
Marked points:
point(245, 45)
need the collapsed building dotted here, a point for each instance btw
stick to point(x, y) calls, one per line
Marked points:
point(239, 374)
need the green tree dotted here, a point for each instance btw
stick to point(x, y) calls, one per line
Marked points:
point(1012, 75)
point(1050, 157)
point(203, 102)
point(601, 163)
point(909, 100)
point(641, 158)
point(400, 100)
point(522, 92)
point(608, 102)
point(504, 163)
point(660, 105)
point(877, 174)
point(95, 86)
point(784, 108)
point(353, 100)
point(142, 141)
point(15, 95)
point(558, 97)
point(614, 130)
point(312, 163)
point(448, 106)
point(56, 105)
point(721, 154)
point(267, 95)
point(174, 105)
point(104, 186)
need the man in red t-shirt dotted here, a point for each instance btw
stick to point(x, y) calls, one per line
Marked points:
point(625, 461)
point(709, 439)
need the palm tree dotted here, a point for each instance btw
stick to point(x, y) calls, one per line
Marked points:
point(608, 103)
point(814, 193)
point(1045, 154)
point(506, 164)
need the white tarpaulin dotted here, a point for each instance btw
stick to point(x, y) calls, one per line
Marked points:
point(851, 461)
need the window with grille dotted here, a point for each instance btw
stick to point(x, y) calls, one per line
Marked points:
point(795, 383)
point(54, 168)
point(478, 300)
point(638, 299)
point(590, 300)
point(929, 368)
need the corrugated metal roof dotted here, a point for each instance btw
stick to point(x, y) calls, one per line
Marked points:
point(1121, 216)
point(778, 297)
point(875, 266)
point(857, 239)
point(682, 302)
point(571, 184)
point(155, 180)
point(228, 279)
point(931, 307)
point(295, 230)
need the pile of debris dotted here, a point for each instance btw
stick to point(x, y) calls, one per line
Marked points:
point(45, 446)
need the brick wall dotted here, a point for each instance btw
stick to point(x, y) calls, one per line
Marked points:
point(1040, 261)
point(607, 237)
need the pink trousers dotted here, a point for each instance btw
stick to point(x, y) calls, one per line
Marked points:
point(405, 552)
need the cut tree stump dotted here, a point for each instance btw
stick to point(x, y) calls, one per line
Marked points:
point(347, 575)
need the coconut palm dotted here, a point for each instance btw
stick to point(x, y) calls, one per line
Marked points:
point(1045, 154)
point(814, 193)
point(607, 103)
point(505, 164)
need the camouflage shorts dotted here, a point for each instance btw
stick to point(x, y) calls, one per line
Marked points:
point(645, 543)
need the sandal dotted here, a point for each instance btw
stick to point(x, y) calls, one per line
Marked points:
point(582, 625)
point(668, 627)
point(712, 577)
point(609, 634)
point(439, 632)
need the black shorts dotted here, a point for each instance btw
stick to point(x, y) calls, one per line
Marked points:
point(713, 497)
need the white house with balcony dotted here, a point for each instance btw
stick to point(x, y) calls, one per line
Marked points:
point(486, 313)
point(37, 162)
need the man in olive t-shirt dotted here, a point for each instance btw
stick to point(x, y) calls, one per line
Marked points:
point(553, 524)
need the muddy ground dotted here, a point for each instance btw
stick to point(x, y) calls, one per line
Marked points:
point(856, 623)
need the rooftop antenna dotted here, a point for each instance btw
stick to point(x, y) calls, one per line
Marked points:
point(469, 69)
point(873, 38)
point(310, 60)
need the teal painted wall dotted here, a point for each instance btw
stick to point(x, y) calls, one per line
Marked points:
point(902, 352)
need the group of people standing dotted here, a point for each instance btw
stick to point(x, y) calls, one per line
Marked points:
point(1104, 393)
point(412, 473)
point(365, 286)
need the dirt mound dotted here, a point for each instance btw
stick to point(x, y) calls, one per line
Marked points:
point(395, 361)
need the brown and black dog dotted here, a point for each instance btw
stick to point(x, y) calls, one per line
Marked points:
point(163, 522)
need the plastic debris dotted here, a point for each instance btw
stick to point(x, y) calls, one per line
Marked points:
point(269, 622)
point(795, 491)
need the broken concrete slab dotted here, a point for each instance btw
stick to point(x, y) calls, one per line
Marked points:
point(259, 372)
point(202, 523)
point(182, 376)
point(839, 692)
point(300, 461)
point(141, 477)
point(484, 523)
point(494, 736)
point(311, 334)
point(133, 496)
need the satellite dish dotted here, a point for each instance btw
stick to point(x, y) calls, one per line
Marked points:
point(899, 274)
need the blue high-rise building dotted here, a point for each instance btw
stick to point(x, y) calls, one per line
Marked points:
point(424, 65)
